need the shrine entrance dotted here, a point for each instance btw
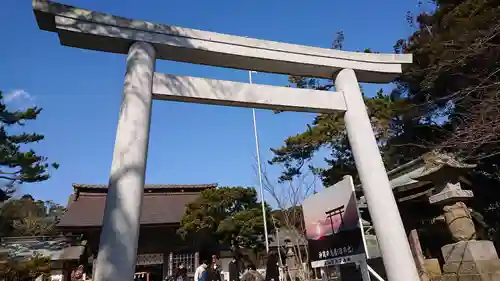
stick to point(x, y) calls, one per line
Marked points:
point(144, 42)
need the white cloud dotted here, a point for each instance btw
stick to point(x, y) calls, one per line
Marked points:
point(19, 100)
point(18, 95)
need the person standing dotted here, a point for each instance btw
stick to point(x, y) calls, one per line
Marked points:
point(201, 272)
point(234, 270)
point(272, 271)
point(77, 274)
point(214, 272)
point(181, 273)
point(324, 277)
point(204, 276)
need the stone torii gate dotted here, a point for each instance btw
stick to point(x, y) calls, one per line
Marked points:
point(144, 42)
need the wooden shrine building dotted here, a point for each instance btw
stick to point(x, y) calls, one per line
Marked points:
point(160, 248)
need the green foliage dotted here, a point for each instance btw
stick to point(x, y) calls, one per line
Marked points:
point(447, 99)
point(17, 165)
point(29, 217)
point(455, 75)
point(13, 270)
point(231, 214)
point(328, 131)
point(292, 218)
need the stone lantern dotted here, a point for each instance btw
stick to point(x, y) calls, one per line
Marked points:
point(467, 256)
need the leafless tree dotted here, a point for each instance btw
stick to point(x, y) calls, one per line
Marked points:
point(477, 128)
point(288, 197)
point(471, 98)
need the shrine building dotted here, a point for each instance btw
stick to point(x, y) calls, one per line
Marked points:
point(160, 248)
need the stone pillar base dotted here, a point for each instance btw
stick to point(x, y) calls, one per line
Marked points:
point(470, 260)
point(432, 267)
point(468, 277)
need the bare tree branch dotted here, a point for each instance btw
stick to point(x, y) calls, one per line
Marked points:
point(289, 196)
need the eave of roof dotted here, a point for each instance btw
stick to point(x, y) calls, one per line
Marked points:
point(162, 204)
point(55, 248)
point(149, 186)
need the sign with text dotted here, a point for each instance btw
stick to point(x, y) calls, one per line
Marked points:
point(333, 228)
point(149, 259)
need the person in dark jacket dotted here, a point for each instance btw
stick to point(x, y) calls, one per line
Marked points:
point(272, 271)
point(234, 270)
point(181, 273)
point(214, 271)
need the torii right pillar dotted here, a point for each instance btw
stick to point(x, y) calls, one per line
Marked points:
point(391, 236)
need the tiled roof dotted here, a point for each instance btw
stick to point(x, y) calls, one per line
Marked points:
point(149, 186)
point(86, 208)
point(55, 248)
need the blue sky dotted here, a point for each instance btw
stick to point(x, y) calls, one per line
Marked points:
point(80, 90)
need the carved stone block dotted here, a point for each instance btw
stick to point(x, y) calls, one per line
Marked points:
point(459, 222)
point(471, 260)
point(451, 193)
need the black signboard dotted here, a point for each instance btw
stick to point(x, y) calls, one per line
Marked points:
point(333, 227)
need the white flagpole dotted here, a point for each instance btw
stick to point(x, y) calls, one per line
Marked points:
point(259, 170)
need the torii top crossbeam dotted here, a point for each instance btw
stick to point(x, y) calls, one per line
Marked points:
point(98, 31)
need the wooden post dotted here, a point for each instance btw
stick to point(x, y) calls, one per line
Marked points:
point(418, 255)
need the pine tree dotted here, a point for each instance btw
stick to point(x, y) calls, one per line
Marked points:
point(17, 164)
point(448, 99)
point(232, 215)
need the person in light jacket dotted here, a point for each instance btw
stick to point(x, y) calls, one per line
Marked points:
point(201, 271)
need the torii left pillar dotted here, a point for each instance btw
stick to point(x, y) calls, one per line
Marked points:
point(120, 227)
